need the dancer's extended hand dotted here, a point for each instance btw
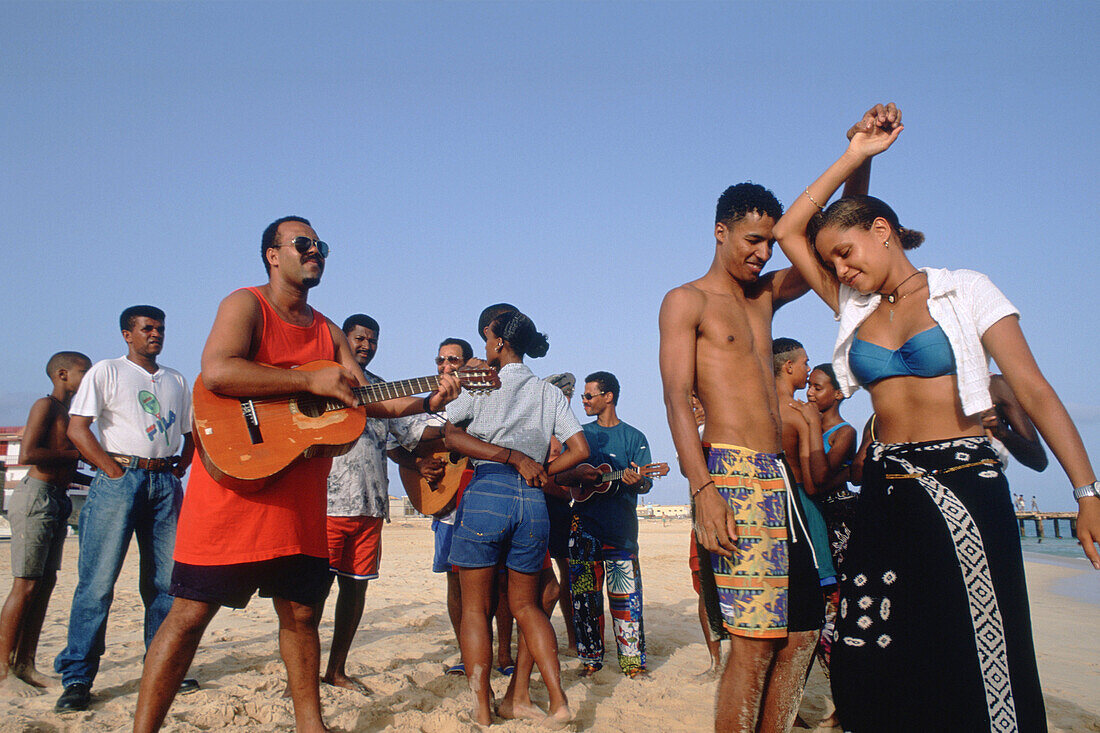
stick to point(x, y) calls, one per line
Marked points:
point(1088, 527)
point(876, 132)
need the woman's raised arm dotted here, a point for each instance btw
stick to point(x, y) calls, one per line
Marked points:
point(876, 132)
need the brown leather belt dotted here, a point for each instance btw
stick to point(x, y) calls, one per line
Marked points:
point(145, 464)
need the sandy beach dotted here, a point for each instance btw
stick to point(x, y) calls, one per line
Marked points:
point(405, 640)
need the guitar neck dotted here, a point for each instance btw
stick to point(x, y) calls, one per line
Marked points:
point(389, 390)
point(612, 476)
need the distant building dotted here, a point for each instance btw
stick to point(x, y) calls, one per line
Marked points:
point(11, 438)
point(671, 511)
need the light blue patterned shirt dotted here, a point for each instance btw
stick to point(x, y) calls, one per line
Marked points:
point(521, 415)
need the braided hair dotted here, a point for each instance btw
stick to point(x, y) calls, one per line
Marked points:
point(520, 333)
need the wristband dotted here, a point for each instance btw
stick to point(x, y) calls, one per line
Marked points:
point(427, 404)
point(696, 492)
point(507, 461)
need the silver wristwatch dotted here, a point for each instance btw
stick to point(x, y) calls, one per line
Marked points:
point(1092, 489)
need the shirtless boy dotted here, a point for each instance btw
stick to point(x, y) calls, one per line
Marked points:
point(38, 513)
point(716, 341)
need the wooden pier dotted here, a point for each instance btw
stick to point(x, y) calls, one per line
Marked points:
point(1056, 517)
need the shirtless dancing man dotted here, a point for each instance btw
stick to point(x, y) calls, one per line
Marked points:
point(716, 341)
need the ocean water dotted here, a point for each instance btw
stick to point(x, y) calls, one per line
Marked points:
point(1049, 545)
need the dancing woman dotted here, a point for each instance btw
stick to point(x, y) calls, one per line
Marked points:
point(933, 603)
point(503, 516)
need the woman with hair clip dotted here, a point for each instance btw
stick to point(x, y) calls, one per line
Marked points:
point(502, 517)
point(933, 603)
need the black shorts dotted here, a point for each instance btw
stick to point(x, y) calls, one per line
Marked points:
point(298, 578)
point(561, 517)
point(805, 602)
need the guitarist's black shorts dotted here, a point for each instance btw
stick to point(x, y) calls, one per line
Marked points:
point(297, 578)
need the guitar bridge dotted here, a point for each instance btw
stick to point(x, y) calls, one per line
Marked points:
point(252, 421)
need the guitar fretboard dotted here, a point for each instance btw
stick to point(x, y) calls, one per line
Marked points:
point(389, 390)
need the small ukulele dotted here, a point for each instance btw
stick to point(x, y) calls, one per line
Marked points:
point(608, 477)
point(245, 443)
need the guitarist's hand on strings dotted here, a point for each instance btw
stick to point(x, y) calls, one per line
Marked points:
point(334, 381)
point(449, 388)
point(631, 477)
point(430, 468)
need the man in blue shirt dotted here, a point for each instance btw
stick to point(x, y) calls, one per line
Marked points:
point(603, 540)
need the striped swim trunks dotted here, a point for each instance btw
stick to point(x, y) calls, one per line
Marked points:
point(748, 592)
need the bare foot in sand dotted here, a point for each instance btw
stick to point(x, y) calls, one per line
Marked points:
point(32, 676)
point(12, 686)
point(558, 719)
point(522, 711)
point(348, 683)
point(470, 717)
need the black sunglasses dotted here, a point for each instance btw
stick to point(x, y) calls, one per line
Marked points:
point(590, 397)
point(304, 244)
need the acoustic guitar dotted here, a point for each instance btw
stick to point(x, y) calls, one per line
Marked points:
point(608, 477)
point(247, 442)
point(436, 498)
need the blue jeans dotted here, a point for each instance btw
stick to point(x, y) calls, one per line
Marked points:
point(142, 502)
point(500, 516)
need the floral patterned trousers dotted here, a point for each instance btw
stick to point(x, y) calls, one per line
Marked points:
point(589, 562)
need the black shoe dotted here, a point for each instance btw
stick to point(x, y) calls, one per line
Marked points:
point(76, 697)
point(188, 686)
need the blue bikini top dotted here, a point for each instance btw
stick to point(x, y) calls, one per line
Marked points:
point(926, 354)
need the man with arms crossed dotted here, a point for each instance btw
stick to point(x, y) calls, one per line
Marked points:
point(231, 544)
point(716, 341)
point(143, 411)
point(358, 503)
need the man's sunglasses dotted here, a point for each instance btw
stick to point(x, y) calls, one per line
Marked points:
point(304, 244)
point(441, 360)
point(590, 397)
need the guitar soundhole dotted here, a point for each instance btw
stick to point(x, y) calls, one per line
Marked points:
point(311, 406)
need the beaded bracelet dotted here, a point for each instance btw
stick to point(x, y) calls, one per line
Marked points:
point(811, 198)
point(696, 492)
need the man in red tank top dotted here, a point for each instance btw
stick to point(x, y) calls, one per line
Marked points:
point(231, 544)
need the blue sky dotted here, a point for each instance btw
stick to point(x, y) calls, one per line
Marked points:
point(565, 157)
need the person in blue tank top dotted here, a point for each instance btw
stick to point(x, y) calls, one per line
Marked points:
point(603, 541)
point(837, 502)
point(805, 457)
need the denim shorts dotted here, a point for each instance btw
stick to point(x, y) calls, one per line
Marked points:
point(443, 534)
point(500, 518)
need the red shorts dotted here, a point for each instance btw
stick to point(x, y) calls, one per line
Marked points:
point(693, 563)
point(355, 546)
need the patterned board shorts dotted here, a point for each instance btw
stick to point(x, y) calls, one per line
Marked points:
point(749, 591)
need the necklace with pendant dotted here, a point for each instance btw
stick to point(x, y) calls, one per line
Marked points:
point(892, 297)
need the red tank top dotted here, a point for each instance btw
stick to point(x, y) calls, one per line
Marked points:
point(219, 526)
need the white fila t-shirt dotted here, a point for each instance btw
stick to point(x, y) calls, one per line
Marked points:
point(138, 413)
